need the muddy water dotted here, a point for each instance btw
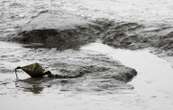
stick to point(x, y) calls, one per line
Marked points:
point(152, 87)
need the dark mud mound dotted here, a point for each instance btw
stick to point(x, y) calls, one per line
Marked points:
point(59, 30)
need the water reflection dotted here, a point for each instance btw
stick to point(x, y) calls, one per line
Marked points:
point(34, 89)
point(30, 85)
point(37, 86)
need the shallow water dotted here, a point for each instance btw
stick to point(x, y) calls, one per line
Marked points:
point(152, 87)
point(150, 90)
point(153, 70)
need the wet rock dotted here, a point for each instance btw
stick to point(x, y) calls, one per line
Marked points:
point(124, 35)
point(120, 73)
point(64, 30)
point(90, 65)
point(61, 30)
point(99, 72)
point(135, 36)
point(166, 42)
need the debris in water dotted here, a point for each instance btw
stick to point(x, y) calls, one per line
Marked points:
point(34, 70)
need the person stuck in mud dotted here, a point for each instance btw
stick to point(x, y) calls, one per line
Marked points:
point(35, 70)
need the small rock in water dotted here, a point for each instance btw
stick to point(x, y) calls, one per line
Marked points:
point(34, 70)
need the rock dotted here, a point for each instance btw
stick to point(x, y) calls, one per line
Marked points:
point(135, 36)
point(99, 72)
point(92, 65)
point(120, 73)
point(66, 32)
point(34, 70)
point(61, 30)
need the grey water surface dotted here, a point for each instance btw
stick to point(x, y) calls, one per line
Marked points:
point(151, 89)
point(142, 26)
